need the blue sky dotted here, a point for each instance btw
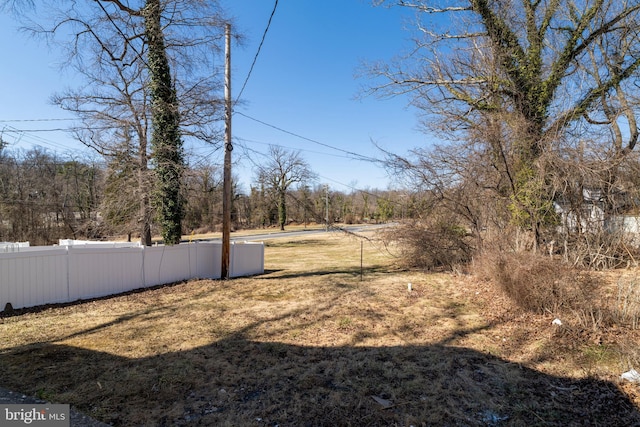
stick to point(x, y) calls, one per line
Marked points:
point(304, 82)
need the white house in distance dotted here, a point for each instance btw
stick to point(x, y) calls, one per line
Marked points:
point(591, 216)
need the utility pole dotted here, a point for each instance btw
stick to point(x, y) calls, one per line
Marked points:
point(226, 186)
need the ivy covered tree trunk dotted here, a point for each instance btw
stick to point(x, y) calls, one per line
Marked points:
point(531, 202)
point(282, 209)
point(165, 139)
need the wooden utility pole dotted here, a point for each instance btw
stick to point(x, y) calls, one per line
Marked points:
point(226, 187)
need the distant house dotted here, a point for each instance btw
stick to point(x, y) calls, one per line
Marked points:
point(590, 215)
point(587, 215)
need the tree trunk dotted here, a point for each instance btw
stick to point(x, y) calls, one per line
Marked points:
point(165, 139)
point(282, 209)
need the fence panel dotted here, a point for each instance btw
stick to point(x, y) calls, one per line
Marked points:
point(97, 272)
point(166, 264)
point(33, 278)
point(206, 258)
point(247, 259)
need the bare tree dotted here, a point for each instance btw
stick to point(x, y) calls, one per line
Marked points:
point(146, 65)
point(126, 206)
point(520, 77)
point(283, 169)
point(113, 110)
point(203, 187)
point(44, 198)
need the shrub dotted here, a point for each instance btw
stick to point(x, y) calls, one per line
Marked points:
point(627, 307)
point(430, 245)
point(541, 284)
point(602, 250)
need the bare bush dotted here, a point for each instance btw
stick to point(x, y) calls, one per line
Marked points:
point(627, 307)
point(430, 245)
point(601, 250)
point(596, 201)
point(542, 284)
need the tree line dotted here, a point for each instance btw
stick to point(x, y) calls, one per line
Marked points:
point(45, 197)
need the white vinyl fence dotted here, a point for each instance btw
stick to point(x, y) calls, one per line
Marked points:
point(39, 275)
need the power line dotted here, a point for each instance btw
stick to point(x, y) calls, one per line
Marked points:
point(355, 156)
point(351, 187)
point(34, 139)
point(35, 120)
point(294, 148)
point(14, 130)
point(255, 58)
point(67, 129)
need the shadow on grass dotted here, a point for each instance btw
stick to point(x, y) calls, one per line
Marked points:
point(353, 271)
point(285, 243)
point(237, 381)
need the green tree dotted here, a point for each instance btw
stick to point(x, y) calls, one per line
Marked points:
point(385, 209)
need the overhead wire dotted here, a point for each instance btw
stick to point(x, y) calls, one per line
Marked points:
point(351, 187)
point(41, 130)
point(354, 155)
point(35, 120)
point(349, 154)
point(22, 134)
point(294, 148)
point(255, 58)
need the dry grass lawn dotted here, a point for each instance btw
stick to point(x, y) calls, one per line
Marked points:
point(313, 343)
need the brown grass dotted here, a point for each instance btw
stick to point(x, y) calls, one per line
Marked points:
point(312, 342)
